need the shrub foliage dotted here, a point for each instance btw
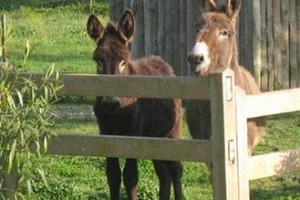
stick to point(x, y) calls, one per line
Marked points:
point(25, 124)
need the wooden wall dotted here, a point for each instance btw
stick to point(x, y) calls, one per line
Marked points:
point(269, 35)
point(270, 30)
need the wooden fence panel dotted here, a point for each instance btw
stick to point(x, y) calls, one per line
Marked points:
point(264, 47)
point(272, 164)
point(269, 36)
point(293, 44)
point(224, 144)
point(145, 147)
point(298, 40)
point(227, 149)
point(109, 85)
point(138, 44)
point(242, 144)
point(271, 103)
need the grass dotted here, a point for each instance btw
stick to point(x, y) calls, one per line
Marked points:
point(84, 178)
point(57, 37)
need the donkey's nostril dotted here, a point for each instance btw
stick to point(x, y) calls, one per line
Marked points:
point(195, 59)
point(200, 59)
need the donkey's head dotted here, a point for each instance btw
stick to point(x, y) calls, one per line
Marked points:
point(215, 39)
point(111, 54)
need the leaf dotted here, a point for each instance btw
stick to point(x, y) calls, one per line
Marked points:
point(29, 186)
point(46, 93)
point(11, 102)
point(42, 174)
point(45, 144)
point(20, 97)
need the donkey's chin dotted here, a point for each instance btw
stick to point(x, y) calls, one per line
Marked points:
point(127, 101)
point(201, 70)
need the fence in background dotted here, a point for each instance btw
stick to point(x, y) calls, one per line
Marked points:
point(269, 35)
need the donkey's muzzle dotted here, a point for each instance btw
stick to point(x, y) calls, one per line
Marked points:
point(111, 102)
point(195, 60)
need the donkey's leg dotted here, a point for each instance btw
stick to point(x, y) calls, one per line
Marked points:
point(130, 176)
point(175, 169)
point(113, 174)
point(164, 177)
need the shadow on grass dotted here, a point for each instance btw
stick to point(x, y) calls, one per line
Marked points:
point(286, 193)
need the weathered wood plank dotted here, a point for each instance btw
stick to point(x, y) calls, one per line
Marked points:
point(271, 103)
point(270, 43)
point(150, 23)
point(193, 12)
point(284, 68)
point(138, 43)
point(138, 86)
point(293, 32)
point(274, 164)
point(298, 39)
point(131, 147)
point(247, 41)
point(169, 34)
point(161, 29)
point(256, 40)
point(224, 144)
point(242, 145)
point(264, 46)
point(182, 40)
point(174, 36)
point(116, 7)
point(277, 44)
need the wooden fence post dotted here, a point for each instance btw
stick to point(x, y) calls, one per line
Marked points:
point(242, 145)
point(3, 37)
point(224, 144)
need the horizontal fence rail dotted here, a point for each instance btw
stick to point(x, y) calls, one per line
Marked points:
point(271, 103)
point(274, 164)
point(137, 86)
point(131, 147)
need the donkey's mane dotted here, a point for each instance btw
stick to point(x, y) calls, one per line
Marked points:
point(111, 28)
point(221, 18)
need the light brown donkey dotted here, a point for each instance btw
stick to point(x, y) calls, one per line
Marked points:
point(216, 47)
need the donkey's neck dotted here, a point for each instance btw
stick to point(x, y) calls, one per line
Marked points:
point(234, 62)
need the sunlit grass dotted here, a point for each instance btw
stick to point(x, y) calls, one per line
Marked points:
point(55, 36)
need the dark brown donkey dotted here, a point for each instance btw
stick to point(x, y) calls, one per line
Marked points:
point(134, 116)
point(215, 48)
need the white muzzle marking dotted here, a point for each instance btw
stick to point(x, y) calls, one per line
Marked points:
point(201, 49)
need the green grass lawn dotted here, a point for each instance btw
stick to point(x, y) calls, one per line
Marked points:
point(57, 36)
point(84, 178)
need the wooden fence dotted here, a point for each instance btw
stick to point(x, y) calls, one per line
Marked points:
point(269, 35)
point(227, 149)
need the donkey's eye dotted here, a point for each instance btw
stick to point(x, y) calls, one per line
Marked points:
point(224, 33)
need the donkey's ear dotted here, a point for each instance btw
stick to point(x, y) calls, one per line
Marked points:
point(233, 8)
point(212, 5)
point(94, 28)
point(126, 25)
